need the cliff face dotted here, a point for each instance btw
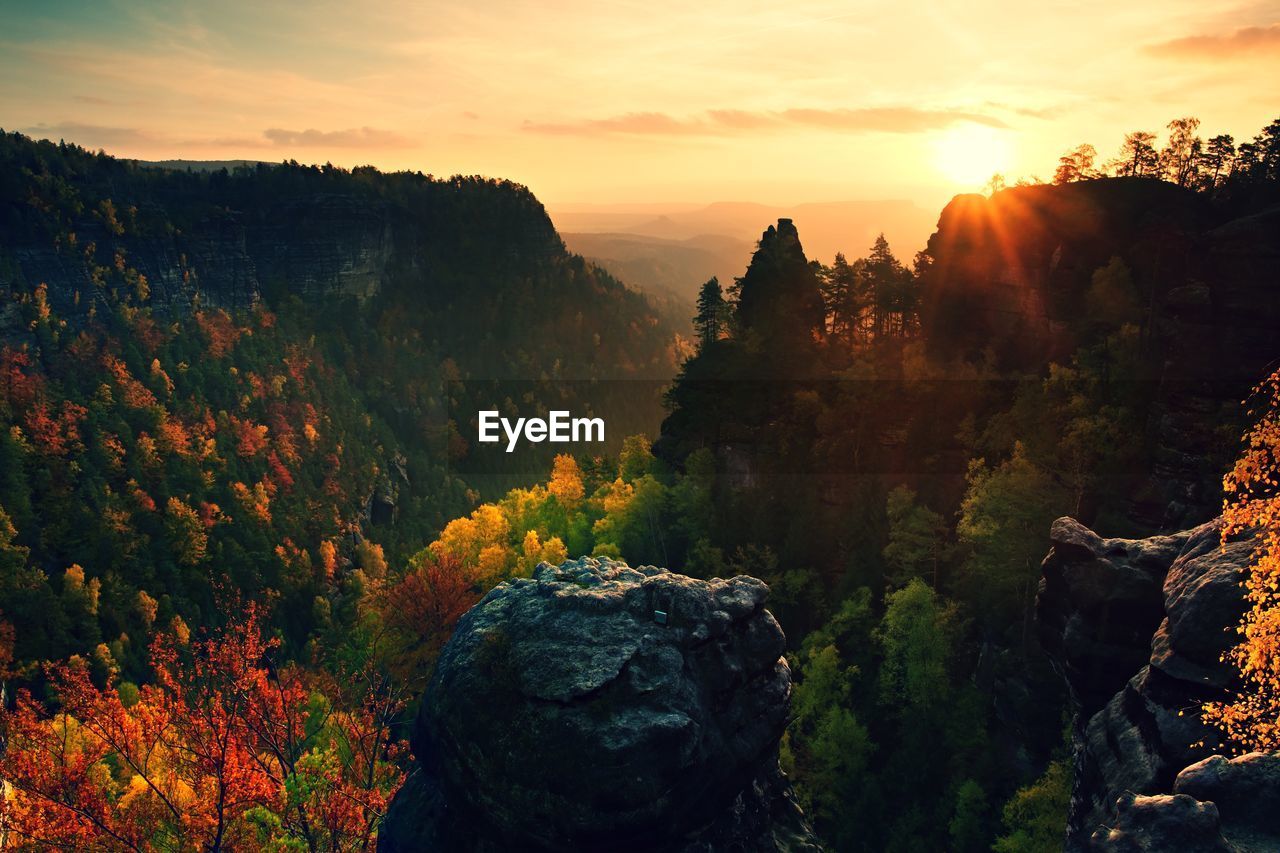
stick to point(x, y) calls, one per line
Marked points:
point(84, 224)
point(1011, 275)
point(1138, 629)
point(323, 245)
point(597, 706)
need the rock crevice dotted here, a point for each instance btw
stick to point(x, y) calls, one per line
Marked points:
point(1138, 629)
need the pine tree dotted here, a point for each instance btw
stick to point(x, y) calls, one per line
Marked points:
point(712, 309)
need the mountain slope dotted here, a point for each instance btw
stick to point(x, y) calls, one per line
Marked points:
point(255, 376)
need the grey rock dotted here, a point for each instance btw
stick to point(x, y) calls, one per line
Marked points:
point(1162, 824)
point(1246, 791)
point(600, 706)
point(1138, 629)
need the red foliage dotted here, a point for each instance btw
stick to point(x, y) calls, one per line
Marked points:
point(219, 330)
point(219, 736)
point(55, 435)
point(134, 394)
point(278, 472)
point(422, 610)
point(19, 384)
point(251, 438)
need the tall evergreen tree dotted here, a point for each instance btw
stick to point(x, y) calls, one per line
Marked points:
point(709, 322)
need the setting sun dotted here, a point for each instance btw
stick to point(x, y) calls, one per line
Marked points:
point(970, 154)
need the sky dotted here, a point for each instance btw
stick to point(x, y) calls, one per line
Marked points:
point(613, 101)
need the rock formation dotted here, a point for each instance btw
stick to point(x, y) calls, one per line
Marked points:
point(1138, 628)
point(599, 706)
point(1011, 276)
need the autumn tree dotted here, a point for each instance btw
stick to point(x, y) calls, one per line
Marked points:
point(1250, 720)
point(225, 748)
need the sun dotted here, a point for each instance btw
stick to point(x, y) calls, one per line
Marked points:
point(970, 154)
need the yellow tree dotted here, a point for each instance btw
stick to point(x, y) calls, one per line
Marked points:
point(566, 481)
point(1251, 718)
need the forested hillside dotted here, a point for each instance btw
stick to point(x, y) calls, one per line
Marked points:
point(252, 377)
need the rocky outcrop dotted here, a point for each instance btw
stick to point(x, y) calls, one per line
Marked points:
point(1138, 629)
point(598, 706)
point(1011, 276)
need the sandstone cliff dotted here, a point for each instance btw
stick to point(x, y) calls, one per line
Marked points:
point(1011, 276)
point(598, 706)
point(1138, 628)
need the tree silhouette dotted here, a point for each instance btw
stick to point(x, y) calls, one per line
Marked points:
point(709, 322)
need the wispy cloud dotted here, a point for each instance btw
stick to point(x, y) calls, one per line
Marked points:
point(729, 122)
point(356, 137)
point(1247, 41)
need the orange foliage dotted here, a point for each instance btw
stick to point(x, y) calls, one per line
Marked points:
point(328, 559)
point(173, 437)
point(256, 501)
point(134, 394)
point(298, 363)
point(141, 499)
point(219, 330)
point(421, 610)
point(221, 737)
point(18, 385)
point(251, 438)
point(566, 481)
point(1251, 719)
point(55, 435)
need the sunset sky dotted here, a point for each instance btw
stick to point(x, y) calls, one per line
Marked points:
point(619, 101)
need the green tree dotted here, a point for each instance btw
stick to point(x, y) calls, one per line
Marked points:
point(915, 539)
point(1035, 818)
point(826, 747)
point(1003, 524)
point(709, 322)
point(845, 290)
point(968, 827)
point(1112, 297)
point(917, 637)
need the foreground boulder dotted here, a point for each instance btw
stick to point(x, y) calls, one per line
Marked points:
point(599, 706)
point(1138, 629)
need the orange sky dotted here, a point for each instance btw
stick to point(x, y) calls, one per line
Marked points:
point(620, 101)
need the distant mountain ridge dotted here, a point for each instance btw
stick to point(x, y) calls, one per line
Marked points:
point(664, 268)
point(201, 165)
point(828, 227)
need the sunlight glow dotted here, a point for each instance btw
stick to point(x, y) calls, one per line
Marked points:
point(968, 155)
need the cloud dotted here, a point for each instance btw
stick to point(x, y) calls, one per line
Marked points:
point(729, 122)
point(356, 137)
point(1244, 41)
point(888, 119)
